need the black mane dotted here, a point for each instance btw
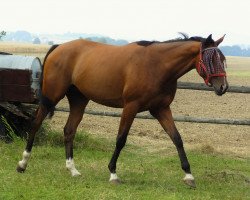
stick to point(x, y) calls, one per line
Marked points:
point(146, 43)
point(184, 37)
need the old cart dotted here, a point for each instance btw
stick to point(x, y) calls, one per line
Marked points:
point(19, 89)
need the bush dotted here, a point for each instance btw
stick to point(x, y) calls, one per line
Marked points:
point(37, 41)
point(6, 131)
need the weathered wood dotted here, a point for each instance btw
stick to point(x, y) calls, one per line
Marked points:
point(15, 85)
point(176, 118)
point(18, 117)
point(202, 86)
point(13, 109)
point(19, 78)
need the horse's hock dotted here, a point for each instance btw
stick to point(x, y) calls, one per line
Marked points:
point(19, 83)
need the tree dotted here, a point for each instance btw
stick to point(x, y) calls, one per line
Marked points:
point(37, 41)
point(102, 40)
point(3, 33)
point(51, 42)
point(88, 38)
point(22, 36)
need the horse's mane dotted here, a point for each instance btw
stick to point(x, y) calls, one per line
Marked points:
point(184, 37)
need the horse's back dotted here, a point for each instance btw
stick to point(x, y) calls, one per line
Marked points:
point(98, 70)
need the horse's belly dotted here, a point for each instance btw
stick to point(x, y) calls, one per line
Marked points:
point(108, 96)
point(101, 84)
point(104, 99)
point(115, 103)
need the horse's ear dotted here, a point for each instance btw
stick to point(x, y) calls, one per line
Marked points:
point(219, 40)
point(209, 39)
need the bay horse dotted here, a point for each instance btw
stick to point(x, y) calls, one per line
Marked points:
point(140, 76)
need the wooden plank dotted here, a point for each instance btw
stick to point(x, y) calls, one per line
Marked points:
point(176, 118)
point(15, 76)
point(13, 109)
point(15, 85)
point(202, 86)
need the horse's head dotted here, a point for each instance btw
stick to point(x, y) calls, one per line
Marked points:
point(211, 65)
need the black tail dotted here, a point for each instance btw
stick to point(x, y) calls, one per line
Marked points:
point(43, 99)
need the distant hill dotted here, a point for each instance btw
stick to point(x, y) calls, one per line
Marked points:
point(24, 36)
point(18, 36)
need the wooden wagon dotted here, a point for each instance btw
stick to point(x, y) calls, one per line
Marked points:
point(19, 87)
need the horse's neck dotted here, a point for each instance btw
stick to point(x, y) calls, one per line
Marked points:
point(179, 58)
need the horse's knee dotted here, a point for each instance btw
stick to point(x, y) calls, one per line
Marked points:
point(66, 131)
point(68, 139)
point(68, 134)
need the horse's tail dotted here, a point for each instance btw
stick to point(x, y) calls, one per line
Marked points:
point(43, 99)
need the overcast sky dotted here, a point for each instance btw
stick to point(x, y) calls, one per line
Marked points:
point(131, 19)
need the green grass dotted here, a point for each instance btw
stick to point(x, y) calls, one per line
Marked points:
point(144, 175)
point(238, 73)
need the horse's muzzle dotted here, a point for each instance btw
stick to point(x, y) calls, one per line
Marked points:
point(222, 90)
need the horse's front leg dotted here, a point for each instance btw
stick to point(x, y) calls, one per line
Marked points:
point(127, 118)
point(165, 118)
point(41, 114)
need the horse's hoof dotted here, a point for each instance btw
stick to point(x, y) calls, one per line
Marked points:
point(75, 174)
point(190, 183)
point(115, 181)
point(20, 169)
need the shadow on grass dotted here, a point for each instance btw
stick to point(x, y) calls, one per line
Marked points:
point(83, 140)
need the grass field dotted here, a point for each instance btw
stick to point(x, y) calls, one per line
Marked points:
point(145, 175)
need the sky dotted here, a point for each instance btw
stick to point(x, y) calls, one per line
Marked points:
point(131, 19)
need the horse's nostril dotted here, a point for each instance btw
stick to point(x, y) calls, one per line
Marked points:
point(221, 88)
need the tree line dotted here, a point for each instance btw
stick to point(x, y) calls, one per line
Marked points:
point(2, 34)
point(24, 36)
point(235, 50)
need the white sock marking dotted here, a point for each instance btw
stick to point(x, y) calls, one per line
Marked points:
point(188, 177)
point(113, 176)
point(23, 163)
point(70, 165)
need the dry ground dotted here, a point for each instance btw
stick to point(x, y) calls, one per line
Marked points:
point(224, 139)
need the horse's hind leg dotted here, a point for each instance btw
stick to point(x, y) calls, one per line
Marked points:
point(41, 114)
point(164, 116)
point(77, 103)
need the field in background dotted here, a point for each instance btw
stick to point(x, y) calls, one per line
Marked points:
point(149, 166)
point(24, 49)
point(234, 63)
